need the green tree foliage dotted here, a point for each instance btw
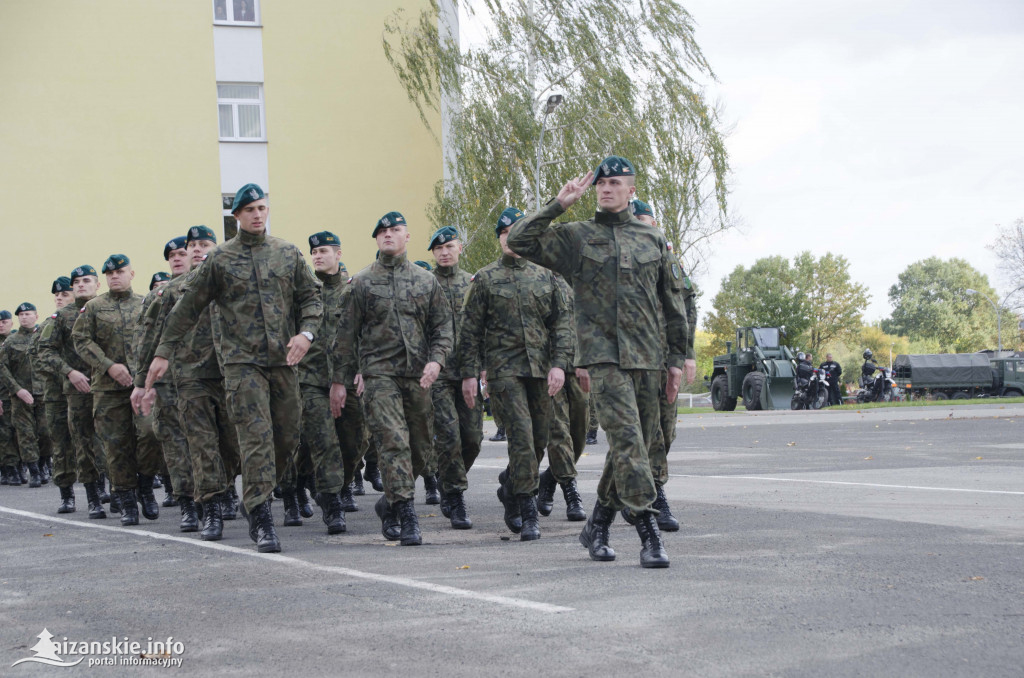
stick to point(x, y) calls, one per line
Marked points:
point(1009, 249)
point(930, 301)
point(834, 303)
point(629, 72)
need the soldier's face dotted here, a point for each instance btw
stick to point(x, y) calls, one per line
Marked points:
point(5, 326)
point(121, 279)
point(178, 260)
point(85, 286)
point(326, 259)
point(614, 193)
point(253, 217)
point(448, 253)
point(62, 299)
point(27, 319)
point(503, 241)
point(197, 249)
point(393, 240)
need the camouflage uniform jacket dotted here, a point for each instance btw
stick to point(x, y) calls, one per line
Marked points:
point(516, 323)
point(4, 391)
point(393, 322)
point(621, 273)
point(16, 361)
point(57, 349)
point(47, 382)
point(315, 368)
point(103, 335)
point(454, 283)
point(683, 287)
point(265, 295)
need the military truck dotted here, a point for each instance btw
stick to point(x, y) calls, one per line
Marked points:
point(959, 376)
point(760, 371)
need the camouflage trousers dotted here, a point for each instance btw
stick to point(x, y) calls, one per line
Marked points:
point(211, 439)
point(65, 461)
point(170, 432)
point(319, 452)
point(569, 420)
point(88, 451)
point(627, 407)
point(664, 436)
point(266, 409)
point(23, 418)
point(458, 432)
point(9, 455)
point(350, 428)
point(119, 434)
point(400, 418)
point(592, 425)
point(525, 408)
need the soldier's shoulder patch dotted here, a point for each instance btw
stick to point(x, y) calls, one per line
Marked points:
point(668, 245)
point(676, 272)
point(82, 310)
point(349, 281)
point(54, 316)
point(160, 293)
point(472, 278)
point(686, 283)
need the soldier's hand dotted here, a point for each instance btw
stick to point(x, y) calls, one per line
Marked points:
point(360, 385)
point(148, 400)
point(79, 381)
point(691, 370)
point(157, 369)
point(430, 372)
point(469, 391)
point(297, 348)
point(338, 397)
point(25, 396)
point(675, 378)
point(584, 377)
point(574, 189)
point(136, 399)
point(120, 374)
point(556, 379)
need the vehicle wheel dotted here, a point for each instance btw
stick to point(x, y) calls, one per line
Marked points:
point(821, 400)
point(961, 395)
point(753, 384)
point(1013, 394)
point(720, 399)
point(939, 395)
point(795, 404)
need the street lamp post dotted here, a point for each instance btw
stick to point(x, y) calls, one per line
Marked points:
point(553, 102)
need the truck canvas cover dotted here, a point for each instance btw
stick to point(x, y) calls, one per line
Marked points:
point(944, 369)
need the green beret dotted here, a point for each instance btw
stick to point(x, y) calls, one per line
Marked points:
point(24, 306)
point(640, 208)
point(114, 262)
point(388, 220)
point(174, 244)
point(158, 277)
point(200, 233)
point(422, 264)
point(247, 194)
point(322, 239)
point(508, 217)
point(613, 166)
point(443, 235)
point(5, 315)
point(61, 284)
point(83, 271)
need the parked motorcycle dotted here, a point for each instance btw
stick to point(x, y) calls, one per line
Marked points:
point(812, 393)
point(881, 389)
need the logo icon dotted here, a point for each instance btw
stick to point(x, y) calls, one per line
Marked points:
point(253, 194)
point(46, 652)
point(505, 220)
point(315, 240)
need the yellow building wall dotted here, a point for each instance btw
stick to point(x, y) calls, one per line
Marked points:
point(346, 145)
point(108, 136)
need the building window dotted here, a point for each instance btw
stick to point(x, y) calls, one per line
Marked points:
point(240, 110)
point(236, 11)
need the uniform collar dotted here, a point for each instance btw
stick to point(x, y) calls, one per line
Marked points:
point(446, 271)
point(79, 303)
point(330, 279)
point(513, 262)
point(120, 296)
point(614, 218)
point(392, 261)
point(251, 239)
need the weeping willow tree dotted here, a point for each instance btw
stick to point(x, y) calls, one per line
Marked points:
point(630, 75)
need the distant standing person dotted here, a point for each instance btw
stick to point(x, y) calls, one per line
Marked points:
point(835, 372)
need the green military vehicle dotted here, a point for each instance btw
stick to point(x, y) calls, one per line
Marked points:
point(761, 372)
point(959, 376)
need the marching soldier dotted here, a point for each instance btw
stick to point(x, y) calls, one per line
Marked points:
point(621, 273)
point(517, 328)
point(10, 461)
point(16, 374)
point(55, 407)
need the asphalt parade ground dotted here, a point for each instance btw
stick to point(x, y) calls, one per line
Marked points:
point(887, 542)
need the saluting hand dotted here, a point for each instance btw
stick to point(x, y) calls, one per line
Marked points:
point(675, 378)
point(297, 348)
point(574, 189)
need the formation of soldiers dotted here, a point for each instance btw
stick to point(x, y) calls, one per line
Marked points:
point(242, 362)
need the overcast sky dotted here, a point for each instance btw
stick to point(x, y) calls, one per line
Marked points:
point(884, 131)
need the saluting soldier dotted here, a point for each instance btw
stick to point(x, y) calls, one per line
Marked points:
point(16, 374)
point(517, 329)
point(395, 334)
point(269, 306)
point(55, 407)
point(621, 273)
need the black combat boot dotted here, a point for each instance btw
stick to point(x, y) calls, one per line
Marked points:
point(67, 500)
point(546, 494)
point(531, 522)
point(348, 504)
point(666, 521)
point(653, 553)
point(169, 499)
point(513, 519)
point(229, 500)
point(595, 533)
point(430, 485)
point(157, 484)
point(33, 474)
point(389, 526)
point(189, 519)
point(499, 435)
point(291, 507)
point(150, 509)
point(102, 487)
point(410, 534)
point(115, 501)
point(213, 520)
point(573, 503)
point(129, 507)
point(333, 515)
point(446, 503)
point(592, 437)
point(357, 485)
point(45, 470)
point(92, 496)
point(372, 475)
point(305, 508)
point(457, 511)
point(4, 477)
point(23, 474)
point(261, 529)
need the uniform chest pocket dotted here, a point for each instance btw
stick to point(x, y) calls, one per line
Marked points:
point(594, 257)
point(414, 301)
point(108, 317)
point(379, 301)
point(648, 261)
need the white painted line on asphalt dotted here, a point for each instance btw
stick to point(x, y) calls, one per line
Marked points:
point(841, 482)
point(295, 562)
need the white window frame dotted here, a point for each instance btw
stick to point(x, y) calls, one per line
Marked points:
point(234, 103)
point(229, 6)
